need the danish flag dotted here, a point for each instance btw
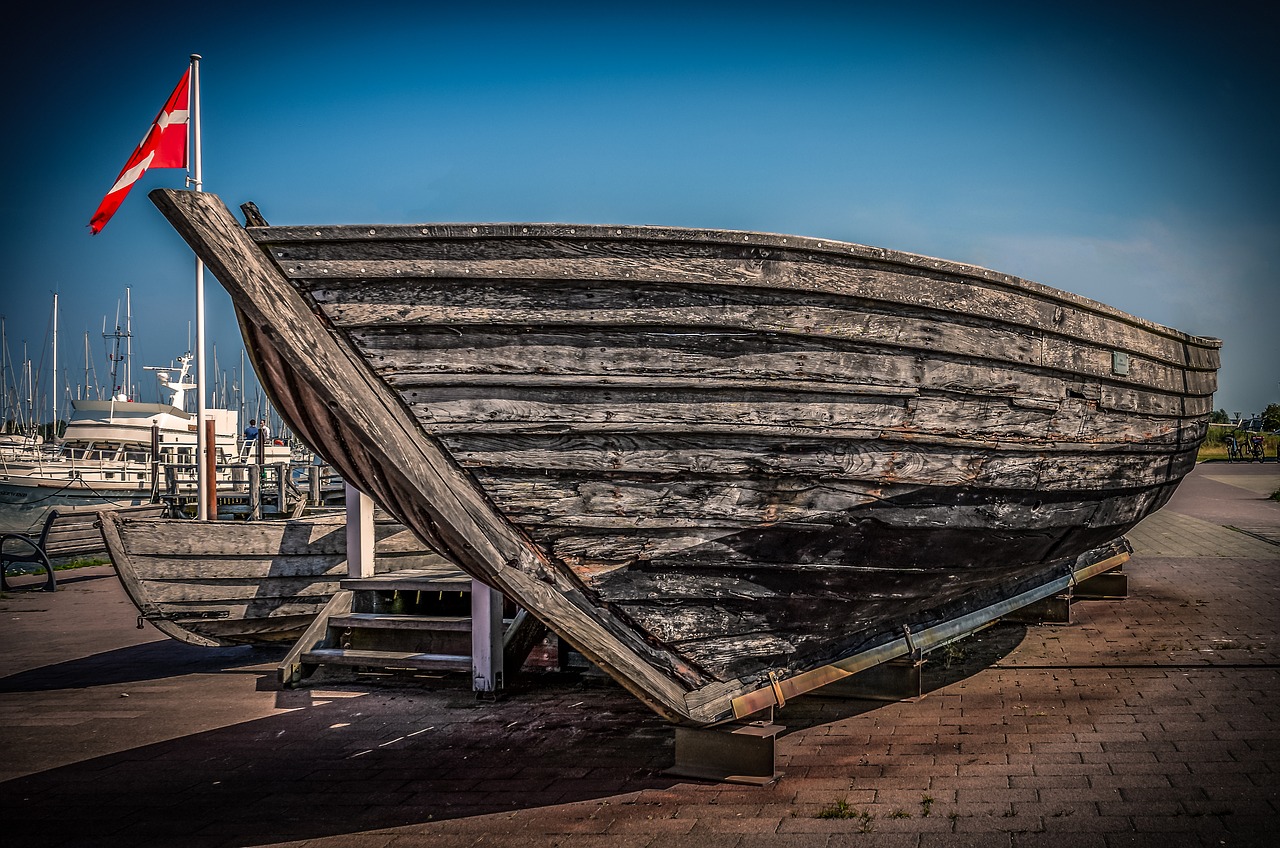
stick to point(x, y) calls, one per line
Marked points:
point(164, 146)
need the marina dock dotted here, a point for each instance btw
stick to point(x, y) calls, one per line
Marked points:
point(1150, 720)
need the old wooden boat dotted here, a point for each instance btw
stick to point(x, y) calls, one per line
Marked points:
point(242, 582)
point(726, 466)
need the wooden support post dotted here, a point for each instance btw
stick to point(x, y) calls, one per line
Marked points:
point(486, 638)
point(313, 485)
point(359, 533)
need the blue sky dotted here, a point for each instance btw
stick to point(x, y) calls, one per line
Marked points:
point(1122, 151)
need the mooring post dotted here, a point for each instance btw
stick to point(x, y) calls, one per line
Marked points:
point(255, 493)
point(282, 491)
point(210, 493)
point(486, 638)
point(359, 533)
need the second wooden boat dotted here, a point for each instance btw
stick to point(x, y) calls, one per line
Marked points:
point(242, 582)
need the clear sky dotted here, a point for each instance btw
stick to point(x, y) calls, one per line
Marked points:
point(1121, 151)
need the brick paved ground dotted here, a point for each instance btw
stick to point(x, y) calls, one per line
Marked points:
point(1148, 721)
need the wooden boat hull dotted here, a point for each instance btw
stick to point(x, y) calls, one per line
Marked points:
point(710, 460)
point(236, 583)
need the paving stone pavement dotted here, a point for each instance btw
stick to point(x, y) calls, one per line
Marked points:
point(1146, 721)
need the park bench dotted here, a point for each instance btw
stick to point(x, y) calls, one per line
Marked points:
point(65, 535)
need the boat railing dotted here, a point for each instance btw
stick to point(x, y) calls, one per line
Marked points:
point(252, 491)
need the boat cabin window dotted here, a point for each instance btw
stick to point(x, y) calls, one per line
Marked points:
point(106, 451)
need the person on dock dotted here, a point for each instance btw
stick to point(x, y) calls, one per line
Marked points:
point(251, 432)
point(264, 432)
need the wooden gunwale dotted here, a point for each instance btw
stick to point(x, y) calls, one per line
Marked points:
point(866, 291)
point(328, 235)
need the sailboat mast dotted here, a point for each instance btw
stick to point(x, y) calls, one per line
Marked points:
point(30, 389)
point(114, 356)
point(53, 385)
point(128, 337)
point(4, 376)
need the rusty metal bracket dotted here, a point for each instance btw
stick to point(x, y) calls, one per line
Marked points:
point(777, 689)
point(913, 650)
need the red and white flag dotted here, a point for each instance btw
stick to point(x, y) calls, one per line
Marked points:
point(164, 146)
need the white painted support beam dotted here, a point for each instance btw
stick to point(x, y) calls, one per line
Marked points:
point(486, 638)
point(359, 533)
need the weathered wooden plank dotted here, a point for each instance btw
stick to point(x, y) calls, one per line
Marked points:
point(641, 507)
point(865, 329)
point(430, 357)
point(204, 569)
point(294, 537)
point(648, 408)
point(217, 593)
point(1056, 465)
point(776, 277)
point(643, 408)
point(902, 533)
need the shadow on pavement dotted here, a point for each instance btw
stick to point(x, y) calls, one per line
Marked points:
point(349, 758)
point(944, 666)
point(148, 661)
point(392, 757)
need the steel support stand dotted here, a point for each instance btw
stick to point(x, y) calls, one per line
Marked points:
point(1107, 586)
point(739, 752)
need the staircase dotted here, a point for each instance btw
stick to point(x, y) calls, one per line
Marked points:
point(417, 620)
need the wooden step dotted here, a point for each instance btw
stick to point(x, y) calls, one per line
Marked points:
point(388, 659)
point(388, 621)
point(382, 621)
point(435, 579)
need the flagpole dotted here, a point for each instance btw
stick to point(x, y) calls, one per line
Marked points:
point(203, 448)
